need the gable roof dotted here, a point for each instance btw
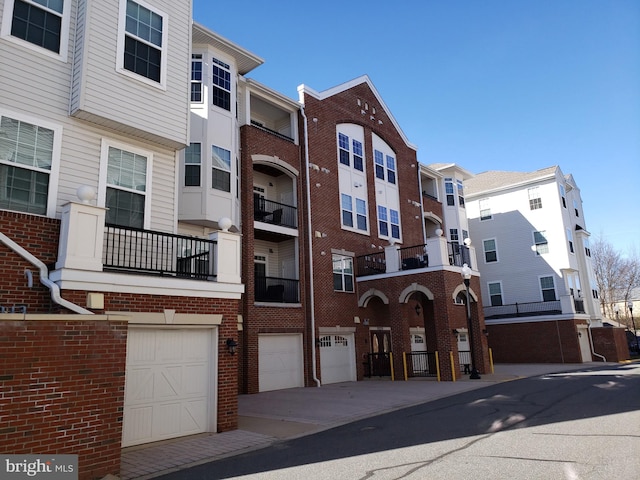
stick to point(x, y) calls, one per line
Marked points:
point(493, 180)
point(302, 89)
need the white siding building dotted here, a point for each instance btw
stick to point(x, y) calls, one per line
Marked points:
point(534, 259)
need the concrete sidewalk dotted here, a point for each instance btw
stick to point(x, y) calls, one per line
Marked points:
point(268, 417)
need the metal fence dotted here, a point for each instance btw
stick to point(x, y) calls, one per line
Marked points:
point(421, 364)
point(157, 253)
point(523, 309)
point(268, 211)
point(276, 290)
point(371, 264)
point(413, 257)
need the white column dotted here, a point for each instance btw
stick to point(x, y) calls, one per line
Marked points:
point(227, 256)
point(81, 237)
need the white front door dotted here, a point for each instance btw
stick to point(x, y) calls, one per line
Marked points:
point(337, 358)
point(585, 346)
point(168, 384)
point(279, 362)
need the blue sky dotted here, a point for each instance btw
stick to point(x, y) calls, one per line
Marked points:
point(488, 84)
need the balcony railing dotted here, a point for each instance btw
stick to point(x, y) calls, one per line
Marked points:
point(458, 254)
point(413, 257)
point(273, 132)
point(157, 253)
point(523, 310)
point(276, 290)
point(578, 303)
point(275, 213)
point(371, 264)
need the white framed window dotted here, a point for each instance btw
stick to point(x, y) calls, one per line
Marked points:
point(358, 155)
point(221, 84)
point(394, 217)
point(453, 235)
point(391, 169)
point(196, 78)
point(388, 222)
point(485, 209)
point(378, 159)
point(383, 221)
point(343, 149)
point(342, 273)
point(563, 196)
point(490, 250)
point(385, 171)
point(220, 168)
point(495, 293)
point(460, 193)
point(587, 247)
point(448, 190)
point(570, 240)
point(40, 25)
point(192, 165)
point(540, 241)
point(29, 164)
point(535, 200)
point(547, 289)
point(125, 184)
point(347, 213)
point(575, 208)
point(142, 42)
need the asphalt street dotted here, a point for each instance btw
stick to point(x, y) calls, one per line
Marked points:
point(577, 425)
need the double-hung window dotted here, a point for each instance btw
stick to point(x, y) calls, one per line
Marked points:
point(547, 289)
point(358, 156)
point(535, 201)
point(380, 166)
point(345, 154)
point(196, 77)
point(570, 240)
point(391, 169)
point(192, 165)
point(541, 242)
point(126, 185)
point(394, 217)
point(343, 149)
point(144, 41)
point(378, 159)
point(495, 293)
point(221, 88)
point(490, 250)
point(221, 169)
point(348, 213)
point(28, 155)
point(342, 273)
point(448, 189)
point(460, 193)
point(43, 23)
point(485, 209)
point(563, 196)
point(383, 221)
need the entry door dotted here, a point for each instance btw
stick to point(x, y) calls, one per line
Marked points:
point(380, 350)
point(585, 346)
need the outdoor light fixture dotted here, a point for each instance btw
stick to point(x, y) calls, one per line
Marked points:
point(466, 276)
point(418, 309)
point(231, 345)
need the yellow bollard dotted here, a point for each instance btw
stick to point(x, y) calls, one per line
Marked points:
point(437, 366)
point(491, 360)
point(404, 362)
point(391, 362)
point(453, 366)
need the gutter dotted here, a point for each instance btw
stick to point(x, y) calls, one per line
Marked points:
point(314, 366)
point(44, 276)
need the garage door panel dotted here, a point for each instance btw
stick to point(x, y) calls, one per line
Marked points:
point(337, 359)
point(167, 384)
point(280, 362)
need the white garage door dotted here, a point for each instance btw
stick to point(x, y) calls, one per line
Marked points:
point(279, 362)
point(337, 358)
point(168, 384)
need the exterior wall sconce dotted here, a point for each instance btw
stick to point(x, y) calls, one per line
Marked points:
point(418, 309)
point(455, 332)
point(579, 334)
point(232, 345)
point(485, 332)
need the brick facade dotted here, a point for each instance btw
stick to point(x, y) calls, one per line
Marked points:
point(63, 390)
point(359, 105)
point(611, 343)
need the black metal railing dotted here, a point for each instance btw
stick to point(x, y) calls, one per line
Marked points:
point(146, 251)
point(276, 290)
point(578, 304)
point(371, 264)
point(273, 132)
point(421, 364)
point(377, 365)
point(523, 310)
point(268, 211)
point(413, 257)
point(458, 254)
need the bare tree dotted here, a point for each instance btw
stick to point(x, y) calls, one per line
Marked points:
point(616, 276)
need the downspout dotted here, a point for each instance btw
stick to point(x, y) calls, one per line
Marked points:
point(44, 276)
point(310, 240)
point(593, 352)
point(424, 229)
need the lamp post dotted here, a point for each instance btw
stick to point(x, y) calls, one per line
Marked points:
point(466, 276)
point(633, 322)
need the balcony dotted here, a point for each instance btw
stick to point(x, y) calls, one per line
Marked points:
point(275, 213)
point(96, 256)
point(276, 290)
point(527, 309)
point(436, 253)
point(157, 253)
